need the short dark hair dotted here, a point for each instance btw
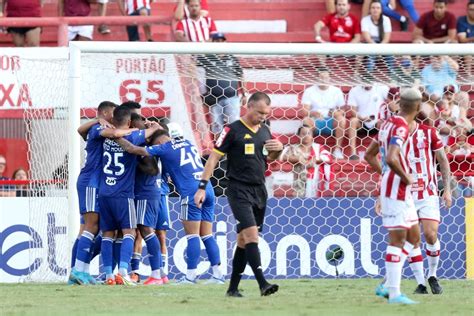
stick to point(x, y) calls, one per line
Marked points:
point(441, 1)
point(135, 117)
point(122, 114)
point(158, 133)
point(105, 105)
point(259, 96)
point(131, 105)
point(470, 2)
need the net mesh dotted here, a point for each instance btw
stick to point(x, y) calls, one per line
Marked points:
point(323, 198)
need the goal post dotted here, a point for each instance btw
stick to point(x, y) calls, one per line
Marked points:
point(308, 218)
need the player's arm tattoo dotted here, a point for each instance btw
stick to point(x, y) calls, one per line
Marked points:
point(444, 167)
point(131, 148)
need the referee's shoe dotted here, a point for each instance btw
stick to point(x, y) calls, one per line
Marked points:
point(269, 289)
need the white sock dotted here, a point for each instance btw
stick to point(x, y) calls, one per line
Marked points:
point(432, 253)
point(416, 265)
point(123, 271)
point(407, 249)
point(393, 270)
point(191, 274)
point(79, 265)
point(216, 272)
point(156, 274)
point(110, 276)
point(87, 268)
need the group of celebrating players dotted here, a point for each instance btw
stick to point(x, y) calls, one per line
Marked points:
point(123, 190)
point(129, 161)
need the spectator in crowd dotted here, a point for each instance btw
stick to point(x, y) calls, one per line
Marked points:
point(450, 123)
point(195, 28)
point(23, 36)
point(5, 190)
point(322, 103)
point(376, 27)
point(465, 29)
point(102, 10)
point(406, 72)
point(331, 5)
point(365, 103)
point(181, 11)
point(223, 83)
point(465, 25)
point(311, 164)
point(436, 26)
point(441, 71)
point(344, 27)
point(21, 174)
point(134, 8)
point(76, 8)
point(388, 9)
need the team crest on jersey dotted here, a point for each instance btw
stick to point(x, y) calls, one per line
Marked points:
point(401, 132)
point(348, 22)
point(110, 181)
point(247, 136)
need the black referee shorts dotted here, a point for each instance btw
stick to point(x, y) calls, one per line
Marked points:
point(248, 204)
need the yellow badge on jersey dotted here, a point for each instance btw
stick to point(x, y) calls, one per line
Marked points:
point(249, 149)
point(247, 136)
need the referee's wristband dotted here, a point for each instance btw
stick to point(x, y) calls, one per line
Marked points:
point(202, 184)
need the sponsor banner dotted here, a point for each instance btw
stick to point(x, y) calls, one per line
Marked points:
point(294, 244)
point(37, 78)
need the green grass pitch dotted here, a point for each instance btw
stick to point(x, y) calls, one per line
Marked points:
point(296, 297)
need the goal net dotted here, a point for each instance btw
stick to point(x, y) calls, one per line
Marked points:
point(327, 102)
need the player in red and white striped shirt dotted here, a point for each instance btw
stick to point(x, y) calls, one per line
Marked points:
point(424, 149)
point(398, 209)
point(195, 28)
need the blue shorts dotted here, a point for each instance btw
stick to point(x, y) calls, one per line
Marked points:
point(163, 219)
point(190, 212)
point(147, 212)
point(117, 213)
point(324, 126)
point(88, 200)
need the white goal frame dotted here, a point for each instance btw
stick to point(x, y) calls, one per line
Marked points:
point(77, 48)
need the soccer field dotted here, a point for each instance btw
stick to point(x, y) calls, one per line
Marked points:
point(296, 297)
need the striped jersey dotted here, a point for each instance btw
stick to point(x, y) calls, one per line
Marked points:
point(394, 131)
point(134, 5)
point(422, 144)
point(197, 30)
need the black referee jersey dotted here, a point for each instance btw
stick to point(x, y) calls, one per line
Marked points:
point(246, 155)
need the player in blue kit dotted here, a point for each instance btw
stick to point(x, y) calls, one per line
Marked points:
point(181, 160)
point(163, 224)
point(147, 203)
point(116, 194)
point(93, 133)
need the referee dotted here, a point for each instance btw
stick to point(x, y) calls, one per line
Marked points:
point(248, 144)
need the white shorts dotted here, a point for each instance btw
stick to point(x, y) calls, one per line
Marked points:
point(82, 30)
point(398, 214)
point(428, 209)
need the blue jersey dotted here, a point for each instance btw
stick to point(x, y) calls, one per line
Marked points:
point(463, 26)
point(90, 173)
point(147, 186)
point(119, 167)
point(181, 160)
